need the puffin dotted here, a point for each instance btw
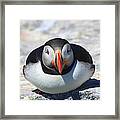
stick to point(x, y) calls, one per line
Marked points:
point(58, 66)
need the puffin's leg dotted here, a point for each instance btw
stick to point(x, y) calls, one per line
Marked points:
point(37, 91)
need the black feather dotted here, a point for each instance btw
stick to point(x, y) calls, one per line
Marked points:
point(81, 54)
point(56, 42)
point(35, 55)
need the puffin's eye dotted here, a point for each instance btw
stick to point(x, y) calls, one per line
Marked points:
point(47, 51)
point(68, 49)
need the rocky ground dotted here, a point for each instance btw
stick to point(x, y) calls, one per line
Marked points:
point(88, 94)
point(35, 33)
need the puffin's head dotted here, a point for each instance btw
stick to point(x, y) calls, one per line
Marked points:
point(58, 55)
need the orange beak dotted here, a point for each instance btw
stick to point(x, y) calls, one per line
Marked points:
point(59, 62)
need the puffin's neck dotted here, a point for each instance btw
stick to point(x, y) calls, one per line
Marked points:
point(69, 68)
point(54, 71)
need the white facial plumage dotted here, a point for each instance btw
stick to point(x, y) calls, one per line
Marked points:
point(47, 56)
point(67, 54)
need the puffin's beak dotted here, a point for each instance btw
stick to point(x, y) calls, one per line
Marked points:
point(59, 61)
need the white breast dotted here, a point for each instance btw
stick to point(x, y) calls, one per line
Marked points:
point(80, 73)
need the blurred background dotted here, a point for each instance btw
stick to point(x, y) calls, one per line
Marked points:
point(34, 33)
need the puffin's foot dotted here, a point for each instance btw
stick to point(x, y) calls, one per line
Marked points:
point(37, 91)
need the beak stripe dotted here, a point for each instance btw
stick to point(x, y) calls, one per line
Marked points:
point(59, 62)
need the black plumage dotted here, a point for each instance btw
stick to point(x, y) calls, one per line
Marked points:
point(81, 54)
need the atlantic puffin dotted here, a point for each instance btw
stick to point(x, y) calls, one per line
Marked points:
point(58, 66)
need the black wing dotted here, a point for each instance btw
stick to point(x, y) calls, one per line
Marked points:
point(35, 55)
point(81, 54)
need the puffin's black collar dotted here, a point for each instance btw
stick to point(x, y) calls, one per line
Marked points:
point(55, 71)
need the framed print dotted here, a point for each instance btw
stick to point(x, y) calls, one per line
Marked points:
point(59, 59)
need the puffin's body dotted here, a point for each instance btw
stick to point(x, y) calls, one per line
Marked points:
point(58, 66)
